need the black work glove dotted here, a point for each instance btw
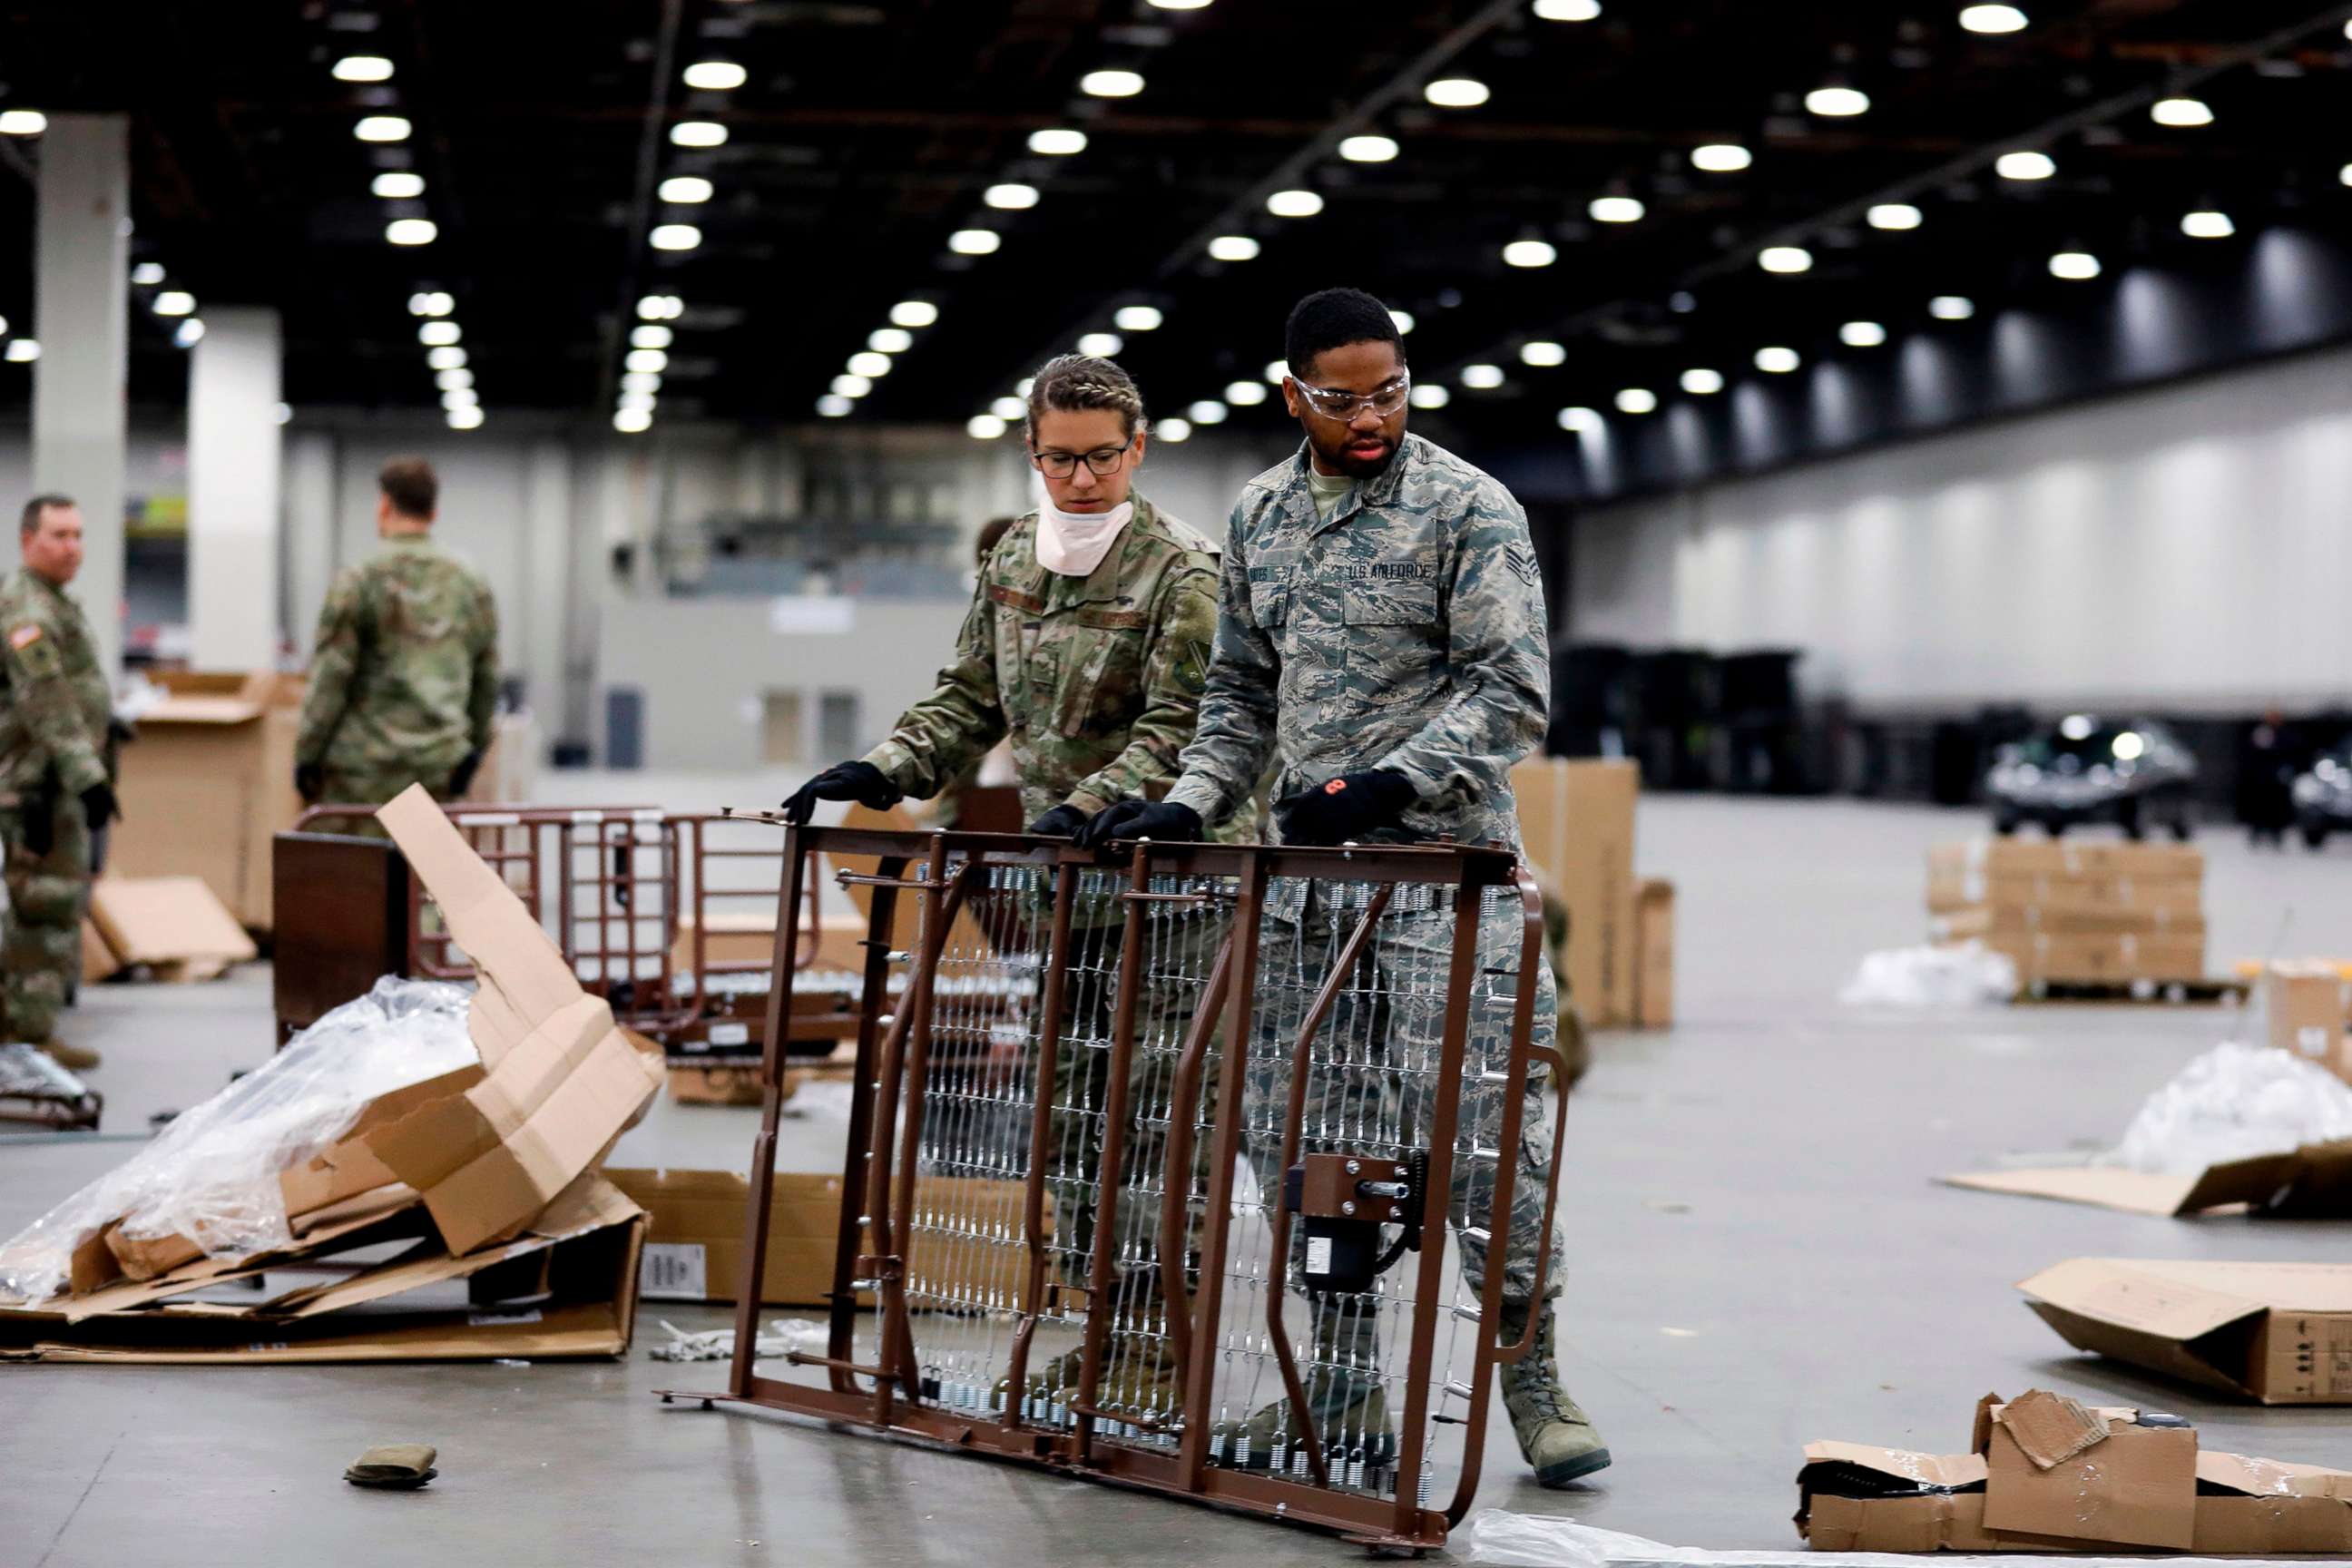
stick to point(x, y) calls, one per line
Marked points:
point(1063, 822)
point(1345, 809)
point(100, 807)
point(1163, 821)
point(861, 782)
point(310, 782)
point(461, 778)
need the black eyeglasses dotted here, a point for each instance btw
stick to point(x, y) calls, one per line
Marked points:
point(1103, 461)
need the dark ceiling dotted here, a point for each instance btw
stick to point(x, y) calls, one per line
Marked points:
point(866, 134)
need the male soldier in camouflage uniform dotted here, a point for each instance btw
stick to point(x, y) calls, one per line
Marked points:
point(1382, 635)
point(1088, 642)
point(57, 773)
point(403, 673)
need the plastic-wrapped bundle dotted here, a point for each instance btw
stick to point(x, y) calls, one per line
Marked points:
point(1962, 977)
point(2232, 1103)
point(212, 1174)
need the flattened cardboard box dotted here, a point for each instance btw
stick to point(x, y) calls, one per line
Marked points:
point(2090, 1495)
point(2314, 1181)
point(566, 1287)
point(172, 924)
point(2277, 1332)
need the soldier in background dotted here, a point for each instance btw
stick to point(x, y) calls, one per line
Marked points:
point(56, 774)
point(403, 673)
point(1382, 637)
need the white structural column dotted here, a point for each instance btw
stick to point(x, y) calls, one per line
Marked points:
point(234, 475)
point(80, 304)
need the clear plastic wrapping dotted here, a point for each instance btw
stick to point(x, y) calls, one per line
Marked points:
point(1966, 976)
point(2232, 1103)
point(1546, 1541)
point(212, 1174)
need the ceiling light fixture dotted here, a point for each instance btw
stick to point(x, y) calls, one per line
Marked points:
point(187, 333)
point(661, 308)
point(2181, 113)
point(685, 190)
point(147, 274)
point(833, 405)
point(397, 185)
point(1584, 421)
point(975, 242)
point(674, 236)
point(1208, 411)
point(1403, 320)
point(1895, 216)
point(630, 421)
point(1616, 209)
point(2208, 226)
point(411, 231)
point(1837, 102)
point(1368, 149)
point(1246, 393)
point(985, 426)
point(645, 359)
point(1543, 353)
point(1137, 318)
point(1010, 197)
point(868, 363)
point(446, 359)
point(174, 302)
point(431, 303)
point(1173, 429)
point(1568, 10)
point(1482, 377)
point(716, 76)
point(1457, 92)
point(22, 350)
point(1530, 252)
point(1294, 203)
point(1776, 361)
point(455, 380)
point(1862, 334)
point(22, 122)
point(1009, 409)
point(382, 128)
point(1242, 248)
point(2074, 266)
point(2024, 166)
point(439, 334)
point(1637, 400)
point(914, 313)
point(846, 385)
point(363, 67)
point(1058, 144)
point(1952, 307)
point(1430, 394)
point(1721, 157)
point(1110, 84)
point(889, 339)
point(634, 381)
point(1785, 260)
point(1992, 19)
point(1101, 346)
point(465, 418)
point(697, 133)
point(1702, 382)
point(461, 398)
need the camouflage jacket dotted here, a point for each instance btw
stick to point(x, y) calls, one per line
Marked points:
point(1098, 679)
point(403, 673)
point(54, 713)
point(1407, 633)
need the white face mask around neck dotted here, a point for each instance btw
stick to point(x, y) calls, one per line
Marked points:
point(1073, 543)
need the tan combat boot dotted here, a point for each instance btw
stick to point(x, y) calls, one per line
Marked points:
point(1555, 1437)
point(73, 1058)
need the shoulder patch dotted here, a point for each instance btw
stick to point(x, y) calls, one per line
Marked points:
point(1521, 559)
point(1192, 668)
point(24, 637)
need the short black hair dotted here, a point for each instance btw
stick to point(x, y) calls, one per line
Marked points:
point(1334, 317)
point(412, 487)
point(36, 507)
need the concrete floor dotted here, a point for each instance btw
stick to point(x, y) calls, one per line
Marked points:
point(1758, 1256)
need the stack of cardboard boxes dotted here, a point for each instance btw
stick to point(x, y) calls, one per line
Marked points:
point(2068, 913)
point(1576, 822)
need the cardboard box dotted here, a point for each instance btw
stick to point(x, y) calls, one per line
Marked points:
point(2003, 923)
point(209, 782)
point(2046, 1474)
point(728, 1085)
point(97, 959)
point(2314, 1181)
point(695, 1249)
point(562, 1082)
point(2100, 959)
point(2277, 1332)
point(2065, 858)
point(2304, 1006)
point(172, 925)
point(509, 770)
point(1576, 822)
point(1653, 953)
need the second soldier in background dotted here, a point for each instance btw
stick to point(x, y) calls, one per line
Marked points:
point(403, 674)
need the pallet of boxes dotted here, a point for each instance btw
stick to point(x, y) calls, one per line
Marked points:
point(2077, 919)
point(1611, 930)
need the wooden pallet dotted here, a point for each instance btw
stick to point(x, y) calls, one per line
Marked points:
point(2205, 993)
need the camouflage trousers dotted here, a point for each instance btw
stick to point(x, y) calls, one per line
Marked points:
point(375, 786)
point(1373, 1072)
point(40, 950)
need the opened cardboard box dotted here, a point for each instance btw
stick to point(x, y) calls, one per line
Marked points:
point(2277, 1332)
point(2046, 1473)
point(467, 1162)
point(173, 927)
point(2314, 1181)
point(208, 783)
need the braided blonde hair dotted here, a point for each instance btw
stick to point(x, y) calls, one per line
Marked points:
point(1077, 382)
